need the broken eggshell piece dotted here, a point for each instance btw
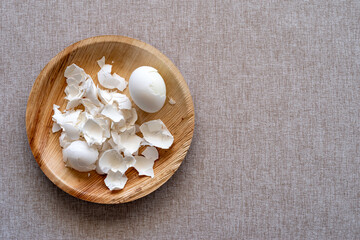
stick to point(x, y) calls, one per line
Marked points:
point(113, 113)
point(74, 74)
point(112, 160)
point(172, 101)
point(115, 180)
point(94, 132)
point(151, 153)
point(121, 100)
point(144, 164)
point(79, 156)
point(127, 141)
point(108, 80)
point(156, 133)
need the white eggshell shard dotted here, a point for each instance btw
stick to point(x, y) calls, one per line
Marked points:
point(69, 116)
point(105, 96)
point(112, 160)
point(107, 68)
point(101, 62)
point(73, 92)
point(115, 180)
point(130, 161)
point(90, 91)
point(64, 140)
point(113, 113)
point(98, 169)
point(57, 117)
point(79, 156)
point(108, 80)
point(55, 128)
point(74, 74)
point(126, 141)
point(147, 89)
point(156, 133)
point(144, 166)
point(73, 103)
point(94, 132)
point(120, 82)
point(151, 153)
point(72, 132)
point(67, 121)
point(90, 107)
point(106, 146)
point(121, 100)
point(172, 101)
point(145, 143)
point(130, 117)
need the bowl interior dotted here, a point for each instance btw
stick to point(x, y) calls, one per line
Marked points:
point(125, 54)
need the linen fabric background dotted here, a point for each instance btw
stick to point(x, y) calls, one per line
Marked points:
point(275, 153)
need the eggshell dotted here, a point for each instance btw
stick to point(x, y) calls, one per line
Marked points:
point(79, 156)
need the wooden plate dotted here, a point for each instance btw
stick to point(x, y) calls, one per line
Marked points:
point(127, 54)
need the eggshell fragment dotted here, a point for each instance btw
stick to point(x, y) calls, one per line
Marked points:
point(55, 127)
point(79, 156)
point(68, 122)
point(172, 101)
point(72, 132)
point(74, 74)
point(93, 132)
point(64, 140)
point(113, 113)
point(130, 117)
point(90, 107)
point(101, 62)
point(144, 166)
point(121, 100)
point(156, 133)
point(151, 153)
point(98, 169)
point(70, 116)
point(90, 91)
point(115, 180)
point(109, 80)
point(129, 160)
point(112, 160)
point(73, 92)
point(127, 140)
point(73, 103)
point(105, 124)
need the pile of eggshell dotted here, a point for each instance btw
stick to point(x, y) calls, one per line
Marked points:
point(98, 126)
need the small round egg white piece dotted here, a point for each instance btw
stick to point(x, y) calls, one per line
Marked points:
point(147, 89)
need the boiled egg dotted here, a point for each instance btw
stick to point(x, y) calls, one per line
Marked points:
point(147, 89)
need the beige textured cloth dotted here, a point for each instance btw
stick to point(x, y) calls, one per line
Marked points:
point(276, 148)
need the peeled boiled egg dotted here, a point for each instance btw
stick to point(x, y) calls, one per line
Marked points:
point(147, 89)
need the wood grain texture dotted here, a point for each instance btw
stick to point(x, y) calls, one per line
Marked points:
point(127, 54)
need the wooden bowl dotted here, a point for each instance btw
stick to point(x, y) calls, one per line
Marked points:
point(127, 54)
